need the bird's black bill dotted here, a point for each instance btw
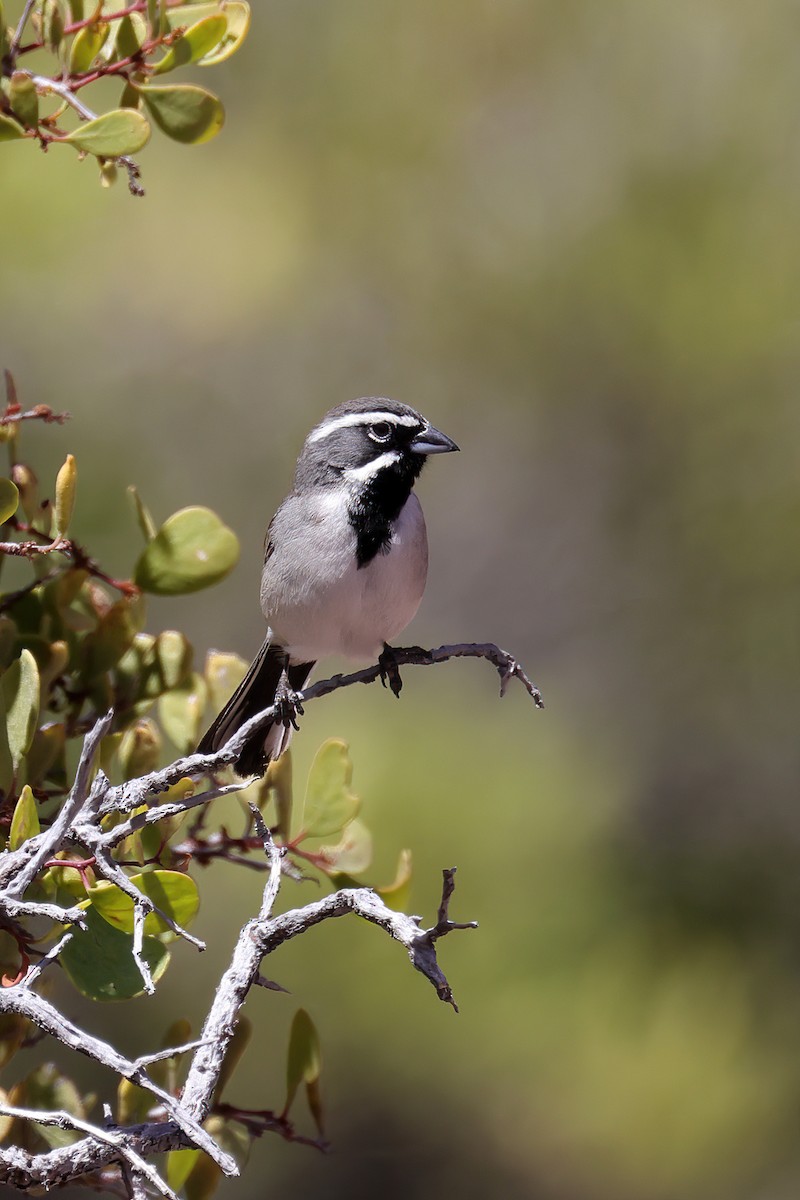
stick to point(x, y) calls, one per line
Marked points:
point(432, 441)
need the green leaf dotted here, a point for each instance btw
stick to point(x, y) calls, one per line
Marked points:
point(47, 1089)
point(173, 892)
point(86, 46)
point(223, 674)
point(133, 1103)
point(99, 960)
point(396, 894)
point(130, 34)
point(185, 112)
point(66, 485)
point(9, 499)
point(198, 41)
point(105, 645)
point(238, 18)
point(353, 854)
point(329, 803)
point(238, 15)
point(46, 750)
point(140, 749)
point(278, 779)
point(121, 131)
point(304, 1061)
point(191, 550)
point(24, 99)
point(146, 522)
point(53, 24)
point(173, 653)
point(25, 821)
point(179, 1166)
point(10, 130)
point(20, 693)
point(181, 713)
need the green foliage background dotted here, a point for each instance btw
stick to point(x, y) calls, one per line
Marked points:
point(568, 233)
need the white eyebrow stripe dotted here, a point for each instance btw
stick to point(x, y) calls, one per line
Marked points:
point(359, 474)
point(369, 418)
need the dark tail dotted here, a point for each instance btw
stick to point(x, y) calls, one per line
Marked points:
point(255, 693)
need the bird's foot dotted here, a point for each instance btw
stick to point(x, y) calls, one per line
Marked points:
point(288, 706)
point(390, 669)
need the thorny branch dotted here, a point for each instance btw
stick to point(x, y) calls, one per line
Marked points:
point(79, 823)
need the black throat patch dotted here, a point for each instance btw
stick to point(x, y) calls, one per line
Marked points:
point(376, 505)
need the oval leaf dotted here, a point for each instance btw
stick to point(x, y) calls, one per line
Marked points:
point(191, 550)
point(66, 483)
point(304, 1061)
point(25, 822)
point(198, 40)
point(99, 960)
point(121, 131)
point(20, 689)
point(329, 803)
point(24, 99)
point(353, 854)
point(185, 112)
point(238, 15)
point(9, 499)
point(181, 713)
point(173, 892)
point(10, 130)
point(86, 46)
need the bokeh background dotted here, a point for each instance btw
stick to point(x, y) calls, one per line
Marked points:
point(568, 232)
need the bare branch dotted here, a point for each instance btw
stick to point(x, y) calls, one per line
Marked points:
point(118, 1141)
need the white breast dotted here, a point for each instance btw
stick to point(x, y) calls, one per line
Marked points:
point(318, 602)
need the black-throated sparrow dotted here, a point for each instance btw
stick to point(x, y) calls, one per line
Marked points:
point(345, 563)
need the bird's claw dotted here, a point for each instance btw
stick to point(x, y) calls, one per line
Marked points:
point(288, 705)
point(390, 670)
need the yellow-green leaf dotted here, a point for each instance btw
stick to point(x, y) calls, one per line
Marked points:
point(10, 130)
point(353, 854)
point(24, 99)
point(139, 749)
point(198, 40)
point(25, 821)
point(329, 803)
point(304, 1061)
point(86, 46)
point(191, 550)
point(9, 499)
point(185, 112)
point(396, 894)
point(223, 674)
point(238, 15)
point(66, 484)
point(20, 693)
point(145, 521)
point(173, 892)
point(121, 131)
point(278, 779)
point(179, 1166)
point(99, 960)
point(181, 710)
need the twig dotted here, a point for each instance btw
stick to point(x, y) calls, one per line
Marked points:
point(23, 21)
point(120, 1143)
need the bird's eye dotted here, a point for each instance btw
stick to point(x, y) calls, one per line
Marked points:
point(381, 431)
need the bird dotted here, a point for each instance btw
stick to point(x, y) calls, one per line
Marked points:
point(345, 564)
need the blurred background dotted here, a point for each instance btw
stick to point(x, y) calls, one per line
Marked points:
point(568, 232)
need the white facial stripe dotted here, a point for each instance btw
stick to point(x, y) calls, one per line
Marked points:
point(370, 418)
point(359, 474)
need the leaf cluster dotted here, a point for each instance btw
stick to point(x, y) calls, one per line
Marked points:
point(136, 45)
point(73, 645)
